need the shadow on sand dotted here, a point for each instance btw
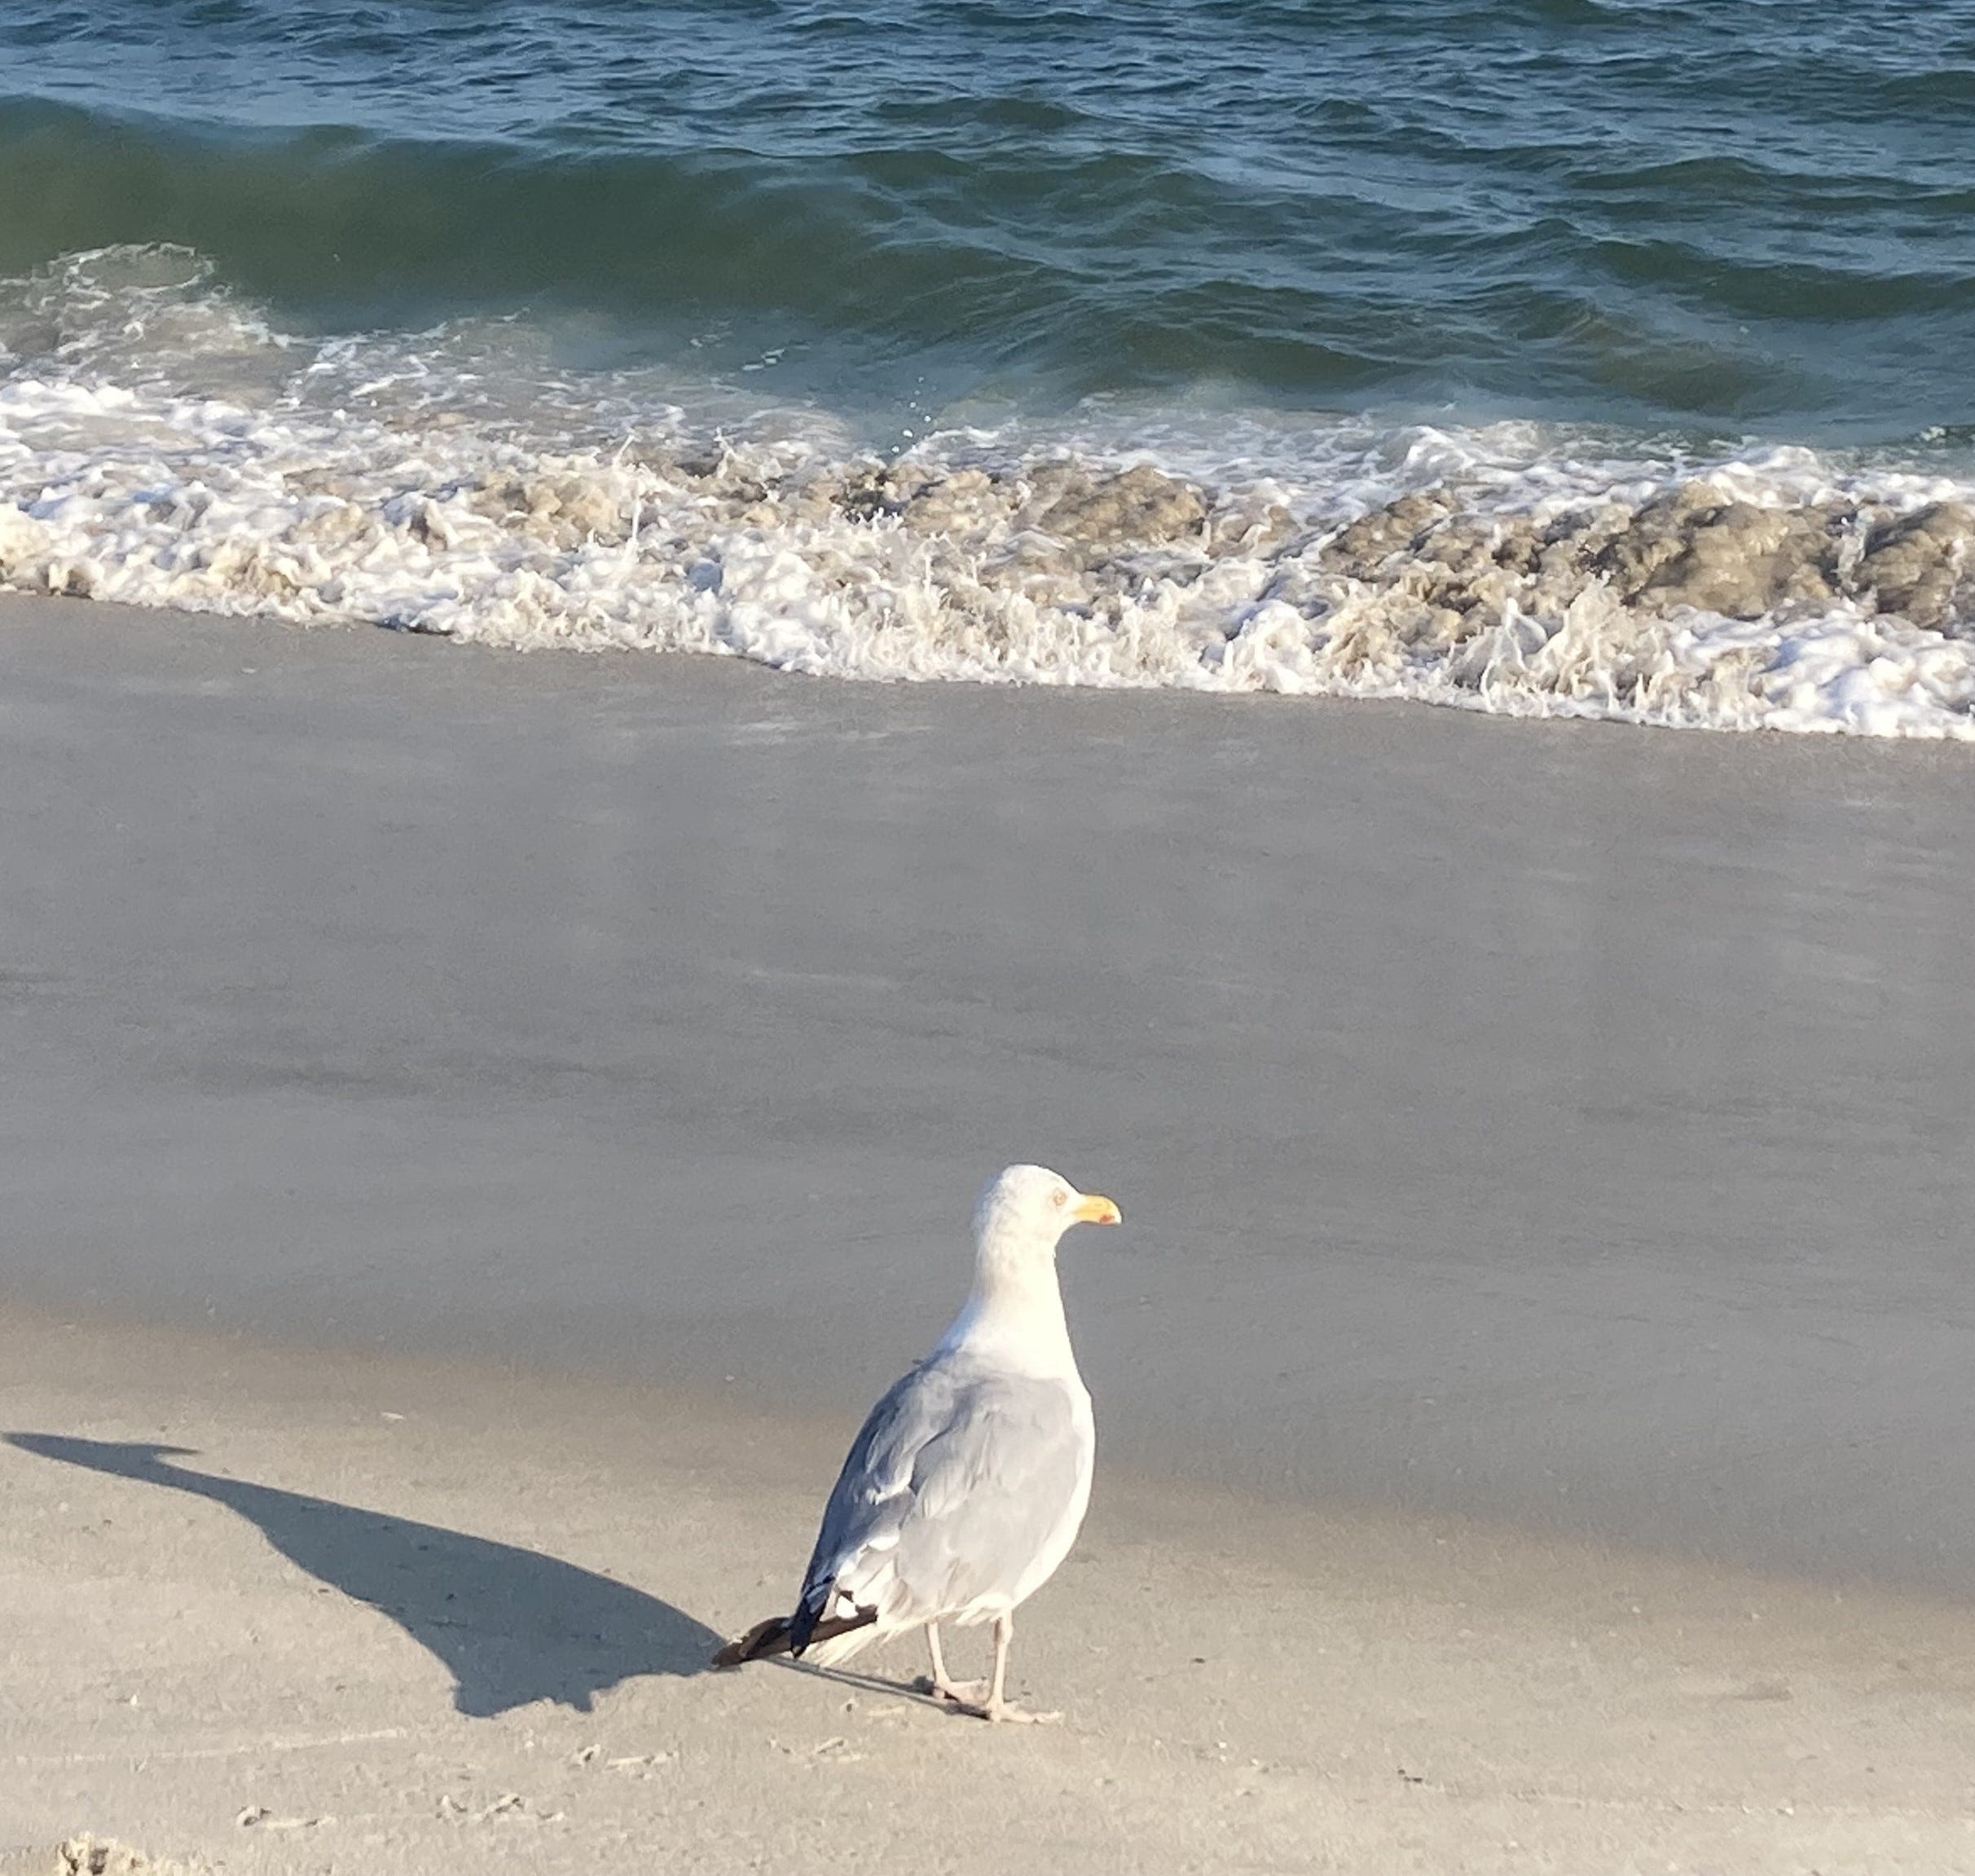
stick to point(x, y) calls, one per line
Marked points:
point(511, 1625)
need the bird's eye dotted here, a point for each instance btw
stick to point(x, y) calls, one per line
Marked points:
point(1059, 1197)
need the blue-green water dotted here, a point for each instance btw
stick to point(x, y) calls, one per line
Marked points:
point(1758, 215)
point(1590, 357)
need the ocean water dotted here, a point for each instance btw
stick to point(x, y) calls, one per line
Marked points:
point(1607, 358)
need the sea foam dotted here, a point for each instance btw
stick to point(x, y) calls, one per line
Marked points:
point(161, 445)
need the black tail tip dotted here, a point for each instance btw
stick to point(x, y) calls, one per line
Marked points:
point(769, 1637)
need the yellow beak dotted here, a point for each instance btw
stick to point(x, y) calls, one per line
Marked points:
point(1094, 1208)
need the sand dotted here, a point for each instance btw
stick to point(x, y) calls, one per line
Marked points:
point(1533, 1381)
point(395, 1615)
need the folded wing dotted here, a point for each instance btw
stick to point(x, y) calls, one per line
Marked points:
point(960, 1483)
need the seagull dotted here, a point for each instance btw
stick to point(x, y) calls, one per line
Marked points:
point(968, 1483)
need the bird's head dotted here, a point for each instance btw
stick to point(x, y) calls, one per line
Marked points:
point(1027, 1209)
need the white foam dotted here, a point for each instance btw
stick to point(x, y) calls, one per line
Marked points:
point(176, 450)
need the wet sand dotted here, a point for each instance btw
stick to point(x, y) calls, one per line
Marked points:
point(1557, 1123)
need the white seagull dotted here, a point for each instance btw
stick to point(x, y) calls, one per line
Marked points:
point(966, 1487)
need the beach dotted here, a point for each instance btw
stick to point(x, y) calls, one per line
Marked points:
point(422, 1616)
point(633, 652)
point(516, 1111)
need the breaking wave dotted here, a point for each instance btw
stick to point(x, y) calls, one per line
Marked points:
point(161, 443)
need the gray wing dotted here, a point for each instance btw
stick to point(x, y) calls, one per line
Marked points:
point(957, 1482)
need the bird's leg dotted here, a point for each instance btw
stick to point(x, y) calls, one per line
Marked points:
point(960, 1692)
point(996, 1706)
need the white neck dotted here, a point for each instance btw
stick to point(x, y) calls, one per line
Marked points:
point(1014, 1313)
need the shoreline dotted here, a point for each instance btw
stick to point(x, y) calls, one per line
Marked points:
point(1502, 565)
point(392, 1615)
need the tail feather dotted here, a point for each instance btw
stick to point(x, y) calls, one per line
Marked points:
point(767, 1639)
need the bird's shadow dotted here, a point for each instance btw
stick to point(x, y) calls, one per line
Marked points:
point(512, 1626)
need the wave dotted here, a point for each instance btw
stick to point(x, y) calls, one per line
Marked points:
point(904, 247)
point(1034, 257)
point(165, 443)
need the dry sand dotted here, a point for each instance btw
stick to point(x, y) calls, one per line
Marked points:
point(395, 1616)
point(1559, 1127)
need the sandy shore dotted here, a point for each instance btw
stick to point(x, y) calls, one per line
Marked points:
point(1555, 1127)
point(400, 1616)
